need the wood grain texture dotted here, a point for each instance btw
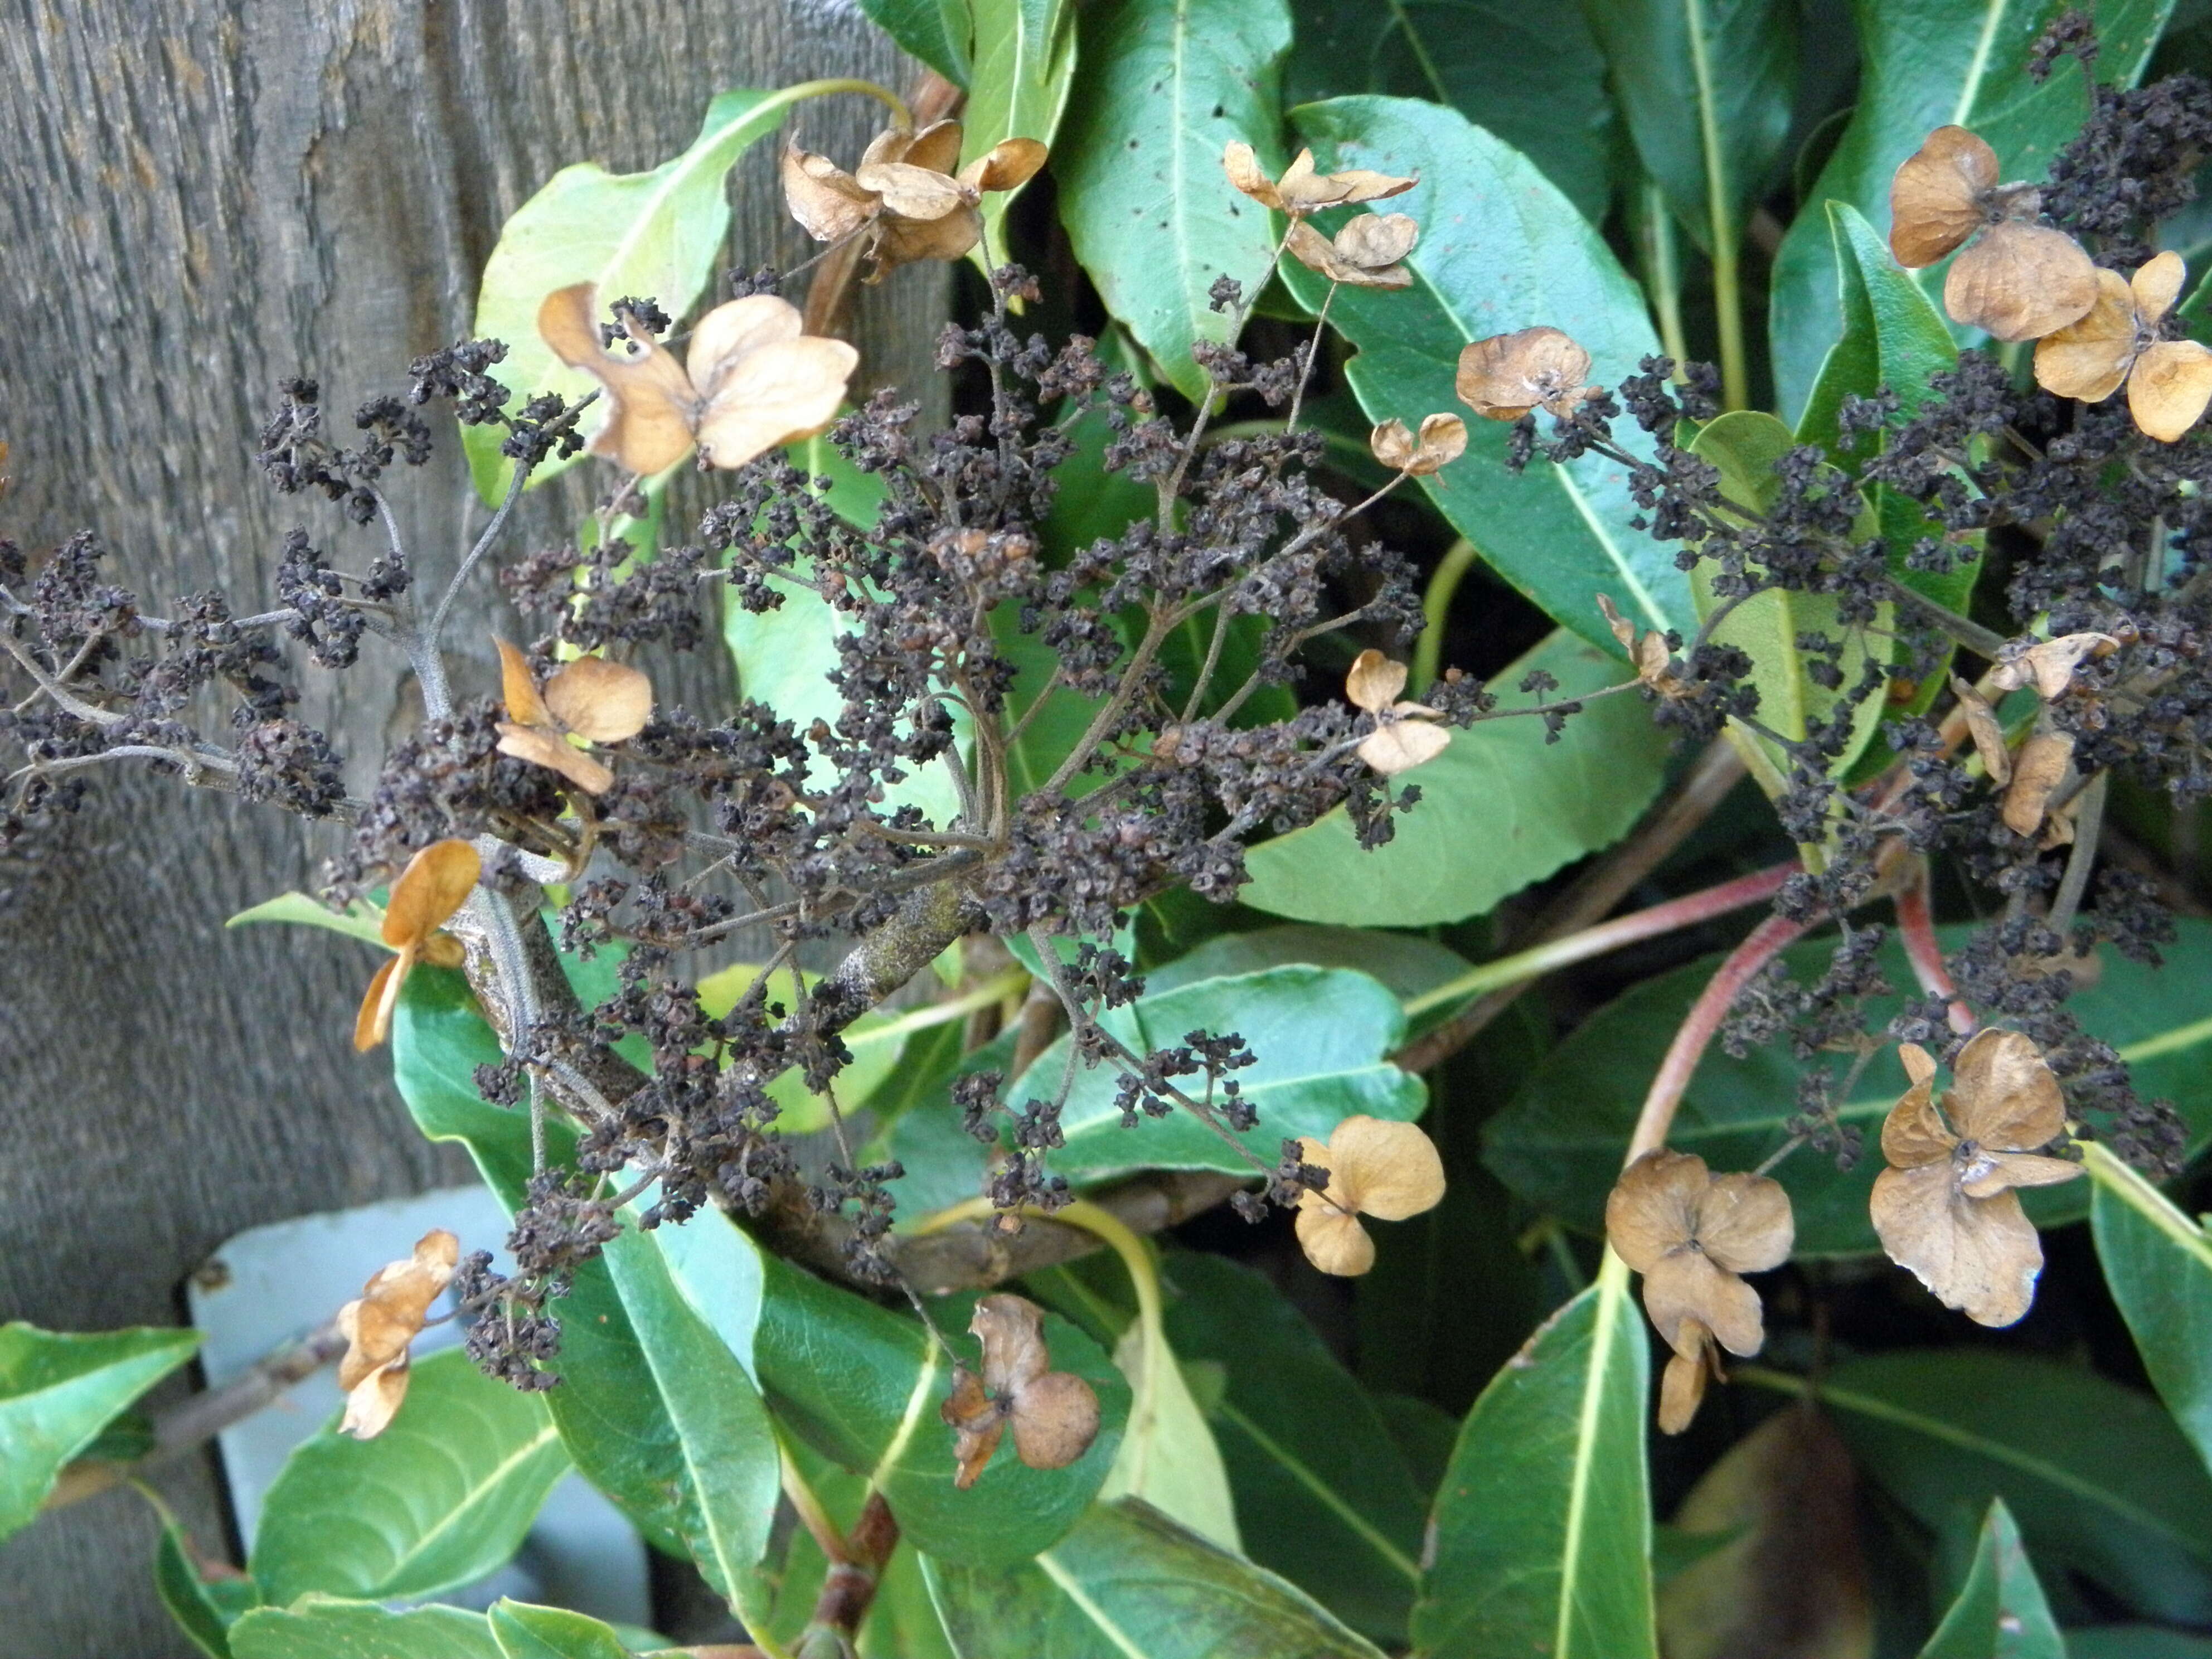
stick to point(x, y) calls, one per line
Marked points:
point(201, 196)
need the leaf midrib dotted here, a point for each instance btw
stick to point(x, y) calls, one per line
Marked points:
point(547, 1432)
point(1303, 1473)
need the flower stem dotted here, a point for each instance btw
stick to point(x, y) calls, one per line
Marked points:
point(1916, 926)
point(1436, 605)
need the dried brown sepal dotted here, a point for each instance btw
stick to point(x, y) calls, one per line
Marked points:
point(2037, 771)
point(2090, 356)
point(1053, 1414)
point(1404, 737)
point(1376, 1166)
point(2020, 282)
point(591, 698)
point(1442, 440)
point(1988, 735)
point(2169, 381)
point(1683, 1386)
point(1301, 190)
point(435, 885)
point(977, 1420)
point(2049, 664)
point(1946, 1207)
point(1506, 376)
point(1653, 661)
point(1365, 253)
point(378, 1325)
point(905, 195)
point(1939, 196)
point(2169, 387)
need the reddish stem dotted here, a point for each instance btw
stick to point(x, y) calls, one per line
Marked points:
point(1915, 925)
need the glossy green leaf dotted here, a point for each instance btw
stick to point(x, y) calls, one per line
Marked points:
point(2136, 1642)
point(1325, 1496)
point(205, 1608)
point(59, 1389)
point(2000, 1613)
point(1321, 1036)
point(439, 1499)
point(1927, 62)
point(319, 1628)
point(524, 1631)
point(2100, 1481)
point(1541, 1533)
point(864, 1385)
point(1500, 249)
point(935, 31)
point(1559, 1143)
point(1023, 61)
point(1534, 77)
point(1167, 85)
point(1708, 88)
point(355, 922)
point(1408, 964)
point(657, 234)
point(2158, 1263)
point(1129, 1584)
point(1746, 446)
point(1169, 1454)
point(1499, 809)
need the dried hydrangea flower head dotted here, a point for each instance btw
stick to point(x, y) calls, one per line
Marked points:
point(1403, 736)
point(2049, 664)
point(1946, 1207)
point(379, 1324)
point(1648, 652)
point(591, 698)
point(1690, 1233)
point(1054, 1413)
point(1506, 376)
point(752, 378)
point(2169, 381)
point(910, 193)
point(436, 884)
point(2020, 280)
point(1365, 253)
point(1441, 440)
point(1301, 190)
point(1375, 1167)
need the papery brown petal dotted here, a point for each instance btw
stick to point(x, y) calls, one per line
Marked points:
point(1443, 441)
point(1007, 165)
point(1391, 444)
point(373, 1402)
point(937, 147)
point(550, 749)
point(2002, 1094)
point(1055, 1419)
point(2010, 1170)
point(784, 391)
point(442, 950)
point(2171, 384)
point(1316, 252)
point(436, 882)
point(1375, 681)
point(1376, 240)
point(1978, 1256)
point(1688, 1285)
point(649, 398)
point(1242, 165)
point(2156, 285)
point(1653, 1207)
point(600, 702)
point(1393, 1167)
point(2020, 282)
point(1745, 1222)
point(1358, 185)
point(1401, 746)
point(1936, 196)
point(1011, 1331)
point(827, 202)
point(1623, 629)
point(1912, 1134)
point(2089, 357)
point(1681, 1391)
point(730, 332)
point(2037, 770)
point(1984, 728)
point(393, 1303)
point(1334, 1242)
point(979, 1419)
point(913, 192)
point(1504, 377)
point(373, 1022)
point(1919, 1064)
point(518, 688)
point(907, 241)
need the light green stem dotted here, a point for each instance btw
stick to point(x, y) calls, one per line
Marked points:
point(1436, 605)
point(1662, 274)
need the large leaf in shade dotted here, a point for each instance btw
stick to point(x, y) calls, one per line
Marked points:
point(205, 1607)
point(1927, 62)
point(1321, 1490)
point(1023, 58)
point(59, 1389)
point(1319, 1034)
point(864, 1385)
point(2158, 1263)
point(2136, 1642)
point(1412, 967)
point(935, 31)
point(441, 1497)
point(1129, 1584)
point(1499, 809)
point(656, 234)
point(1167, 85)
point(1170, 1456)
point(316, 1628)
point(1541, 1533)
point(1708, 88)
point(1559, 1143)
point(1500, 249)
point(2000, 1613)
point(2099, 1478)
point(1535, 78)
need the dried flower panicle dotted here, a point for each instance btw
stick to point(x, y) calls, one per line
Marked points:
point(379, 1325)
point(1376, 1166)
point(1406, 735)
point(910, 195)
point(1054, 1414)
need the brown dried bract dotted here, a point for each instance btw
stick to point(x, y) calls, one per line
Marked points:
point(1690, 1233)
point(1506, 376)
point(909, 194)
point(591, 698)
point(1365, 253)
point(1301, 190)
point(1054, 1414)
point(1403, 736)
point(751, 378)
point(1441, 440)
point(435, 885)
point(379, 1324)
point(2049, 664)
point(2169, 381)
point(1375, 1167)
point(2036, 772)
point(1648, 651)
point(1946, 1207)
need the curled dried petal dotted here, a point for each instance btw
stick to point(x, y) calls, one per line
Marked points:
point(1504, 377)
point(1400, 744)
point(2090, 356)
point(2169, 387)
point(2021, 282)
point(1983, 726)
point(2036, 772)
point(1938, 196)
point(600, 702)
point(1375, 681)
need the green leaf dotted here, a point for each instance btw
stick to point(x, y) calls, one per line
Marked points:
point(1558, 1144)
point(1321, 1036)
point(1324, 1495)
point(935, 31)
point(1023, 56)
point(1541, 1535)
point(1535, 78)
point(1168, 1457)
point(2136, 1642)
point(1129, 1584)
point(1500, 249)
point(1410, 965)
point(59, 1389)
point(317, 1628)
point(355, 921)
point(205, 1608)
point(1708, 88)
point(2099, 1478)
point(657, 234)
point(1926, 63)
point(2158, 1263)
point(2000, 1613)
point(524, 1631)
point(1499, 809)
point(1167, 85)
point(439, 1499)
point(1050, 735)
point(864, 1385)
